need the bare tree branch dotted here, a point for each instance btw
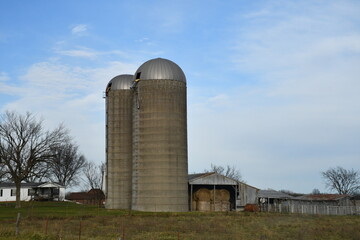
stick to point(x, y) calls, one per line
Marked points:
point(228, 171)
point(341, 180)
point(25, 147)
point(93, 175)
point(66, 163)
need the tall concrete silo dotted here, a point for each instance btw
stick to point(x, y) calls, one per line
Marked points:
point(160, 166)
point(119, 142)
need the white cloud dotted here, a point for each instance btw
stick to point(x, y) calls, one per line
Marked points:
point(301, 117)
point(79, 53)
point(69, 94)
point(4, 77)
point(257, 14)
point(88, 53)
point(219, 100)
point(79, 29)
point(144, 39)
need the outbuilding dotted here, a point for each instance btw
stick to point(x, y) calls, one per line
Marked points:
point(93, 197)
point(323, 200)
point(216, 192)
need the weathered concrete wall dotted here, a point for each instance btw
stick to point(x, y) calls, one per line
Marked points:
point(160, 165)
point(119, 149)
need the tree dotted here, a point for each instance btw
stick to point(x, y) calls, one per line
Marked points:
point(228, 171)
point(315, 191)
point(93, 175)
point(66, 163)
point(2, 171)
point(341, 180)
point(25, 147)
point(291, 193)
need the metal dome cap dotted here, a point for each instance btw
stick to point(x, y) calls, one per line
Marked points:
point(120, 82)
point(160, 68)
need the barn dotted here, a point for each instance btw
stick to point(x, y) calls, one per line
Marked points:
point(93, 197)
point(324, 200)
point(215, 192)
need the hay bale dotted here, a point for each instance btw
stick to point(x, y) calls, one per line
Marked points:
point(203, 206)
point(215, 195)
point(225, 195)
point(193, 205)
point(195, 198)
point(225, 206)
point(202, 194)
point(215, 206)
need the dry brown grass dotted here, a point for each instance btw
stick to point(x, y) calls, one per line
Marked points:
point(112, 224)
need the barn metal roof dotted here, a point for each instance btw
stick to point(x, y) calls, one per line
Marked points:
point(160, 68)
point(196, 175)
point(120, 82)
point(273, 194)
point(322, 197)
point(211, 178)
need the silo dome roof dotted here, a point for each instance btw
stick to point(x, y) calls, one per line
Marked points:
point(160, 68)
point(123, 81)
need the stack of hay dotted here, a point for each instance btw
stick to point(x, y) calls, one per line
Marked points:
point(220, 200)
point(217, 200)
point(202, 200)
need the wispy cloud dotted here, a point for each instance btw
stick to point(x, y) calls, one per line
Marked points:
point(303, 116)
point(84, 52)
point(4, 77)
point(70, 94)
point(79, 29)
point(144, 39)
point(220, 100)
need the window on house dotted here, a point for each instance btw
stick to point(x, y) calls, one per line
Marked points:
point(56, 191)
point(1, 192)
point(13, 192)
point(31, 192)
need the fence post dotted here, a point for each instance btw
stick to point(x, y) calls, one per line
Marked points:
point(80, 230)
point(17, 232)
point(46, 226)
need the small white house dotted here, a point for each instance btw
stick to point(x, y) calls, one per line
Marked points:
point(32, 191)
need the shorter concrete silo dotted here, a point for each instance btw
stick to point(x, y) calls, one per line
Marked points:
point(119, 142)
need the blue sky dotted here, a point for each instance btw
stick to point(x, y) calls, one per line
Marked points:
point(273, 86)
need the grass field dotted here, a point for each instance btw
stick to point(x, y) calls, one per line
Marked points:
point(64, 220)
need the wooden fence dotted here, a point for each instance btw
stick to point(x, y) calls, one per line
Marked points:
point(311, 209)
